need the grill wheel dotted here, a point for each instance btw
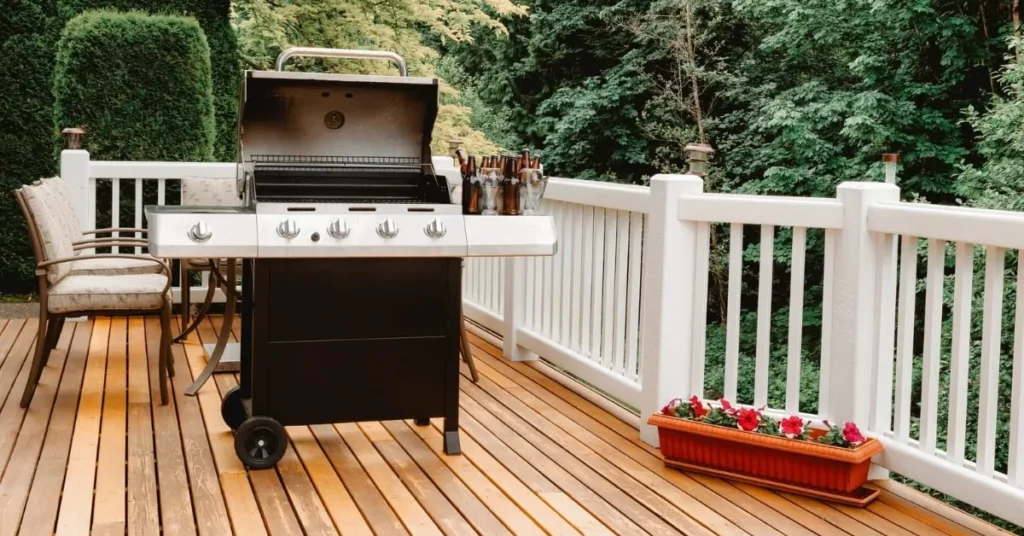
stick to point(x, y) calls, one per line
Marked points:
point(260, 442)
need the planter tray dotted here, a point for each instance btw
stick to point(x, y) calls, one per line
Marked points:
point(859, 498)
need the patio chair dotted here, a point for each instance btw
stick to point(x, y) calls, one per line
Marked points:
point(63, 293)
point(197, 191)
point(114, 265)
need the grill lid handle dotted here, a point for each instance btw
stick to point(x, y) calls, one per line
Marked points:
point(342, 53)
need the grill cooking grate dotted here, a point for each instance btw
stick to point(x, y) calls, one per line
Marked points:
point(340, 160)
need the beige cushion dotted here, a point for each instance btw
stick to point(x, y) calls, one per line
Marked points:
point(76, 293)
point(62, 197)
point(53, 235)
point(209, 192)
point(110, 266)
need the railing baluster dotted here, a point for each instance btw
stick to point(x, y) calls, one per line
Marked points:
point(566, 275)
point(115, 208)
point(932, 344)
point(881, 413)
point(1015, 471)
point(138, 211)
point(732, 331)
point(556, 273)
point(621, 284)
point(828, 281)
point(796, 320)
point(608, 319)
point(700, 307)
point(633, 326)
point(905, 336)
point(576, 310)
point(597, 311)
point(161, 191)
point(991, 337)
point(587, 265)
point(764, 315)
point(960, 359)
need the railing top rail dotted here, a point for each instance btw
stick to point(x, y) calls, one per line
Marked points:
point(630, 197)
point(762, 210)
point(162, 170)
point(955, 224)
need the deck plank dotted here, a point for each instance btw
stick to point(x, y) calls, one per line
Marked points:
point(108, 515)
point(537, 458)
point(43, 498)
point(143, 502)
point(371, 503)
point(481, 517)
point(75, 513)
point(17, 478)
point(503, 507)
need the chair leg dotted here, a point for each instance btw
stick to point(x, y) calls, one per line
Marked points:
point(38, 359)
point(165, 351)
point(467, 354)
point(186, 296)
point(53, 328)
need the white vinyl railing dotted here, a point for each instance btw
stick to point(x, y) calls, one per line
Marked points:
point(623, 307)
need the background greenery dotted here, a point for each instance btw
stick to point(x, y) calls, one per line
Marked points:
point(796, 96)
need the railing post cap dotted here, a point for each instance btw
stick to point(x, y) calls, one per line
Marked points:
point(865, 185)
point(674, 177)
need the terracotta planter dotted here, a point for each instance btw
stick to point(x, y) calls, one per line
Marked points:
point(789, 462)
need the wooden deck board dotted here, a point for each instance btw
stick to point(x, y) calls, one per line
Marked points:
point(98, 452)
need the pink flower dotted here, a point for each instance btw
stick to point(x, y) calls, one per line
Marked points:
point(697, 408)
point(792, 426)
point(748, 419)
point(852, 434)
point(670, 408)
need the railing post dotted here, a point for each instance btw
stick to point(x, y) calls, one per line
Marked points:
point(854, 304)
point(74, 171)
point(515, 299)
point(669, 278)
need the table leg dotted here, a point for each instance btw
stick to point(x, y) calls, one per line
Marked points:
point(225, 331)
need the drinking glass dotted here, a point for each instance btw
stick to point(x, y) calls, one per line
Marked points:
point(490, 184)
point(535, 183)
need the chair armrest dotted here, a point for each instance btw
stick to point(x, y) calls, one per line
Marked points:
point(116, 230)
point(41, 268)
point(107, 242)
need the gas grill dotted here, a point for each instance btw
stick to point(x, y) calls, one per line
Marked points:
point(352, 253)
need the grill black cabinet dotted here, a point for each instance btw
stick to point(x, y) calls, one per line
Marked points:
point(352, 339)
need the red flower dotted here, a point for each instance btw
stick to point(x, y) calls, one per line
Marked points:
point(748, 419)
point(727, 407)
point(792, 426)
point(670, 408)
point(697, 408)
point(852, 434)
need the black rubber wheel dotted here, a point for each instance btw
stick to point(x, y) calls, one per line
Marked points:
point(260, 442)
point(232, 410)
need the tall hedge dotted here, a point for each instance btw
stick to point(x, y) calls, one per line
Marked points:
point(28, 31)
point(214, 17)
point(139, 84)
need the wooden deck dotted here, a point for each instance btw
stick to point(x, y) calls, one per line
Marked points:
point(97, 452)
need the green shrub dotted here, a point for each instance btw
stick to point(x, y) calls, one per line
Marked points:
point(140, 86)
point(214, 18)
point(27, 34)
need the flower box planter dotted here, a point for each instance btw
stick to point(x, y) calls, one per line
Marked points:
point(799, 466)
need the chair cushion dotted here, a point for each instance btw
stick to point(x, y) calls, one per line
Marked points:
point(53, 235)
point(78, 293)
point(66, 215)
point(209, 192)
point(108, 266)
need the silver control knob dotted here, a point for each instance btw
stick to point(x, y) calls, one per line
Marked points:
point(339, 229)
point(200, 232)
point(435, 229)
point(387, 228)
point(288, 229)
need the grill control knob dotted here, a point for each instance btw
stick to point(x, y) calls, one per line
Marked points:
point(338, 229)
point(200, 232)
point(435, 229)
point(288, 229)
point(387, 228)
